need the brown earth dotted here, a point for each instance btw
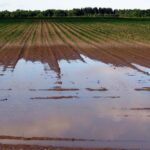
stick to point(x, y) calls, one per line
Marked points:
point(143, 89)
point(56, 89)
point(2, 137)
point(52, 42)
point(35, 147)
point(55, 97)
point(100, 89)
point(111, 97)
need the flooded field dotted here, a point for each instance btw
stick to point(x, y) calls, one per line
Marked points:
point(65, 84)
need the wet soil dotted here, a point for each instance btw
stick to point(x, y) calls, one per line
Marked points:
point(143, 89)
point(31, 147)
point(55, 82)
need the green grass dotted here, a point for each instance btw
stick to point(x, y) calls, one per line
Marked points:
point(84, 28)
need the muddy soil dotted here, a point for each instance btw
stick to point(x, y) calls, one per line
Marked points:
point(58, 82)
point(30, 147)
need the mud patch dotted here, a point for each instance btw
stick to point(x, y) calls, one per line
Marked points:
point(36, 147)
point(55, 89)
point(100, 89)
point(143, 89)
point(54, 97)
point(2, 137)
point(111, 97)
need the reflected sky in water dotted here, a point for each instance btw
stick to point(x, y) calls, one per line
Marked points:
point(100, 115)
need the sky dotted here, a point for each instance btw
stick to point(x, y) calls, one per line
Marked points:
point(69, 4)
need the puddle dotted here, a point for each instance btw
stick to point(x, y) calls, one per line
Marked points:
point(74, 98)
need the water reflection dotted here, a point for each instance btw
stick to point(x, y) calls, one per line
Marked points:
point(29, 79)
point(9, 57)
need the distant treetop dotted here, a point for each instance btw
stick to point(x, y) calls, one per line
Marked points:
point(102, 12)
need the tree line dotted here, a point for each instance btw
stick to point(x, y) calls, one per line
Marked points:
point(102, 12)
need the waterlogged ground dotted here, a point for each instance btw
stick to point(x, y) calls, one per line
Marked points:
point(87, 100)
point(70, 96)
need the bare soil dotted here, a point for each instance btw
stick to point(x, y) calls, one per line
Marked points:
point(143, 89)
point(50, 43)
point(34, 147)
point(55, 97)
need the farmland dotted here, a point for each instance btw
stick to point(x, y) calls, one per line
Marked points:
point(75, 82)
point(93, 39)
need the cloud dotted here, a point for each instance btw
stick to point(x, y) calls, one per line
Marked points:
point(3, 4)
point(67, 4)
